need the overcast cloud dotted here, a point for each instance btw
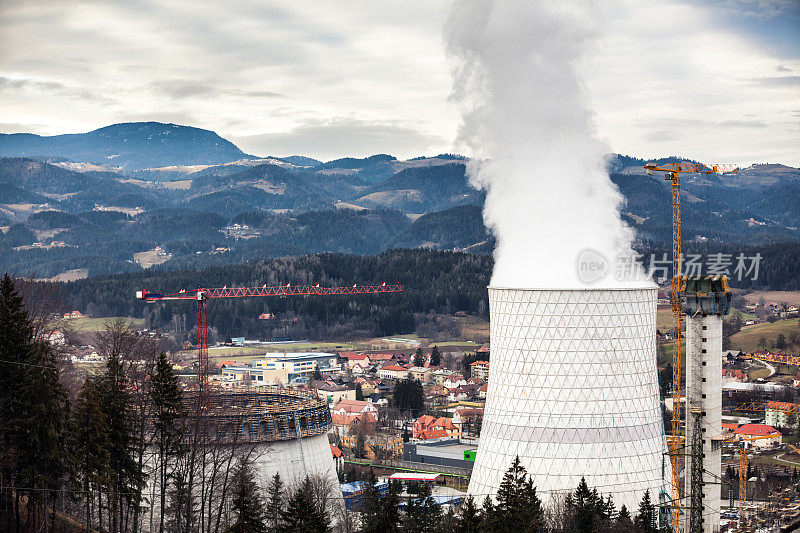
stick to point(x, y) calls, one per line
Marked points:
point(715, 81)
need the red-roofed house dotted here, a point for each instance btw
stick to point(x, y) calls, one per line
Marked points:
point(796, 381)
point(358, 358)
point(770, 435)
point(429, 434)
point(392, 372)
point(454, 381)
point(482, 391)
point(729, 428)
point(338, 457)
point(354, 407)
point(735, 373)
point(424, 425)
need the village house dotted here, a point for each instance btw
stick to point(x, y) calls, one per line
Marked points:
point(426, 426)
point(338, 458)
point(777, 414)
point(736, 374)
point(361, 359)
point(420, 373)
point(354, 407)
point(332, 391)
point(482, 391)
point(454, 381)
point(760, 430)
point(439, 375)
point(392, 372)
point(367, 385)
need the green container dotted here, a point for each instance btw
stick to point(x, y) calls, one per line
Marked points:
point(469, 455)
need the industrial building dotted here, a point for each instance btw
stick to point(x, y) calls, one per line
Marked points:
point(573, 391)
point(442, 452)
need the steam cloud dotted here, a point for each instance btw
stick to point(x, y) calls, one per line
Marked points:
point(527, 122)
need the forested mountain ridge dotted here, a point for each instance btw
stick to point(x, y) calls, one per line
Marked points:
point(59, 216)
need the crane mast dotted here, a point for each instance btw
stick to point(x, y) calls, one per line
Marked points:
point(201, 296)
point(673, 173)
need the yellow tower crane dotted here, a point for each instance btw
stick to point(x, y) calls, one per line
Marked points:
point(673, 173)
point(743, 440)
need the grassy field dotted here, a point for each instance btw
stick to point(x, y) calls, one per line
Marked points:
point(787, 297)
point(474, 328)
point(747, 339)
point(97, 324)
point(758, 373)
point(664, 318)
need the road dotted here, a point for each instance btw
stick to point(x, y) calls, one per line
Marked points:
point(772, 369)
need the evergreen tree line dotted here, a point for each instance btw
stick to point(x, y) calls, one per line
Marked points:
point(439, 282)
point(516, 509)
point(433, 282)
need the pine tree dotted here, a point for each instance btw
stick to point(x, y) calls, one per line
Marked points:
point(518, 507)
point(487, 510)
point(168, 413)
point(88, 446)
point(33, 415)
point(470, 519)
point(372, 508)
point(423, 514)
point(15, 345)
point(359, 393)
point(126, 479)
point(247, 504)
point(584, 504)
point(436, 356)
point(182, 504)
point(646, 518)
point(302, 515)
point(391, 509)
point(419, 357)
point(380, 514)
point(623, 523)
point(274, 502)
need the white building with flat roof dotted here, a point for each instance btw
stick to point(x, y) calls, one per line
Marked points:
point(299, 364)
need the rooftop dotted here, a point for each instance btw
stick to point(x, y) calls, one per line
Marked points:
point(757, 430)
point(294, 356)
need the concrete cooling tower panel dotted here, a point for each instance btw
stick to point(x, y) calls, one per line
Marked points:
point(573, 391)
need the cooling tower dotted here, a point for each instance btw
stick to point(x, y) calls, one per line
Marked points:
point(573, 391)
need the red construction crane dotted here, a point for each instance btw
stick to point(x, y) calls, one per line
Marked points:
point(202, 295)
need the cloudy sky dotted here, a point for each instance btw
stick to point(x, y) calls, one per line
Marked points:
point(715, 80)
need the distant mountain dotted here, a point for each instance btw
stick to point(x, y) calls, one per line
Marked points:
point(423, 189)
point(132, 145)
point(459, 227)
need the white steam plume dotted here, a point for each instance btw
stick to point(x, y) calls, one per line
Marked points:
point(527, 122)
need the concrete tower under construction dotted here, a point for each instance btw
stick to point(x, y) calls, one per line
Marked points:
point(705, 301)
